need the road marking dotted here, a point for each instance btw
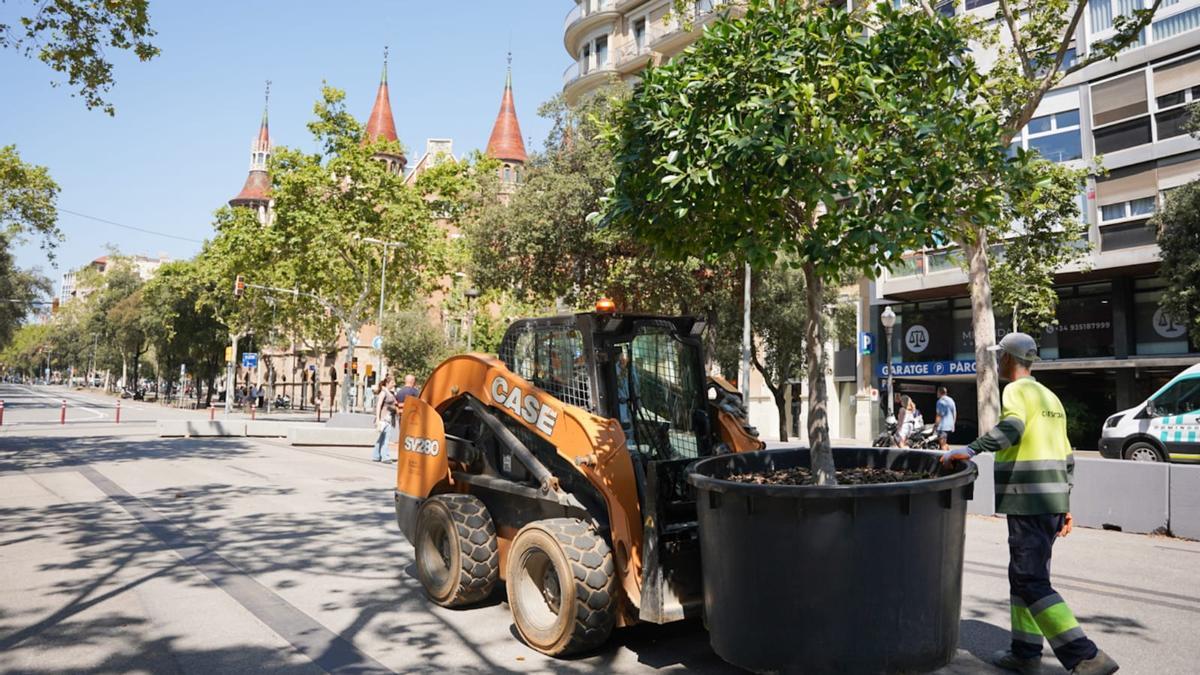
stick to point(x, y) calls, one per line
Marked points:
point(69, 397)
point(325, 648)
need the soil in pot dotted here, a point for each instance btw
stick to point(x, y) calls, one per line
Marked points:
point(854, 476)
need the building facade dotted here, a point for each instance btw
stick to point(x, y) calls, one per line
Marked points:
point(1112, 345)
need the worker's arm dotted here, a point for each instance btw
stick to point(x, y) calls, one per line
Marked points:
point(1000, 437)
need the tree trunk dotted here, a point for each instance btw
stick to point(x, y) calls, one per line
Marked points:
point(814, 347)
point(348, 378)
point(983, 323)
point(781, 409)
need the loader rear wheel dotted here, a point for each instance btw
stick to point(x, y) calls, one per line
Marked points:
point(561, 587)
point(457, 559)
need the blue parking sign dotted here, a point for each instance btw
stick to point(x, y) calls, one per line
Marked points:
point(866, 343)
point(250, 359)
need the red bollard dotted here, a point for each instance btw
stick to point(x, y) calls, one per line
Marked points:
point(118, 412)
point(252, 409)
point(62, 417)
point(212, 412)
point(1, 412)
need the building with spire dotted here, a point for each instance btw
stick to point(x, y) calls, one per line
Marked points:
point(505, 143)
point(382, 126)
point(256, 193)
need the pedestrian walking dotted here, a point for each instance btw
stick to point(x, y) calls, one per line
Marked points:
point(409, 389)
point(385, 418)
point(905, 419)
point(944, 418)
point(1034, 473)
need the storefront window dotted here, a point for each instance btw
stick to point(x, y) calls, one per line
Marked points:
point(1084, 327)
point(1155, 331)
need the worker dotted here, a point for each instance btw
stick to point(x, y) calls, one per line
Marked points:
point(1034, 470)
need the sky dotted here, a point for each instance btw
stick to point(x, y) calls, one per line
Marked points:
point(179, 145)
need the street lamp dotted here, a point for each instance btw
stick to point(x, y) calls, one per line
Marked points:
point(471, 294)
point(382, 282)
point(888, 319)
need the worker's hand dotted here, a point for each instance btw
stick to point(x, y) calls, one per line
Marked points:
point(1068, 525)
point(951, 456)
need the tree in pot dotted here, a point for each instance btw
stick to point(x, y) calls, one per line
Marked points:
point(800, 132)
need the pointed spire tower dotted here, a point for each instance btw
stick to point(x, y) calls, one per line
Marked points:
point(505, 143)
point(256, 193)
point(382, 126)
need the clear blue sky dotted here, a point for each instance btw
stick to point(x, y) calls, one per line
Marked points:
point(179, 145)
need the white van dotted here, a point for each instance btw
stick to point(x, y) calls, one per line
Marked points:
point(1164, 427)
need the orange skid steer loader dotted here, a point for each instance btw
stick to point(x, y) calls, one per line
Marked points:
point(559, 467)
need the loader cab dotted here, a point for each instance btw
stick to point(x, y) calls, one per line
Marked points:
point(646, 372)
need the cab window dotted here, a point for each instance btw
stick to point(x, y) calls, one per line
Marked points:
point(1178, 399)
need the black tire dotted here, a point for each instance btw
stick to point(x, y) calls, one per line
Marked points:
point(561, 587)
point(1144, 451)
point(456, 555)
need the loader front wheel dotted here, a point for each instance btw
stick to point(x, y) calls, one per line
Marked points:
point(561, 587)
point(457, 558)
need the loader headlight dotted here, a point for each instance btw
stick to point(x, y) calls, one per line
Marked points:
point(1112, 421)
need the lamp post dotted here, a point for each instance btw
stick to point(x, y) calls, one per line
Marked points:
point(471, 294)
point(888, 319)
point(382, 281)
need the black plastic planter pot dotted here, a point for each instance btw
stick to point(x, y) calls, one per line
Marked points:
point(847, 579)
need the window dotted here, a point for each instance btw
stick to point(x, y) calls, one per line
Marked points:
point(507, 173)
point(1175, 86)
point(1174, 25)
point(602, 51)
point(1180, 398)
point(1056, 137)
point(1119, 113)
point(946, 9)
point(1135, 208)
point(585, 61)
point(639, 33)
point(975, 4)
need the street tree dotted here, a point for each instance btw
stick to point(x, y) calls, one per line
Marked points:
point(28, 198)
point(1178, 224)
point(541, 245)
point(25, 353)
point(415, 345)
point(180, 322)
point(801, 133)
point(72, 36)
point(1047, 234)
point(325, 205)
point(19, 290)
point(1034, 51)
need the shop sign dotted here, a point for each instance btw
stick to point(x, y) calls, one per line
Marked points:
point(927, 368)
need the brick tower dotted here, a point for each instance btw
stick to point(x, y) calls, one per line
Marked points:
point(505, 143)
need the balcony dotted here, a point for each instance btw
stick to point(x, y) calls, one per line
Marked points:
point(572, 76)
point(585, 16)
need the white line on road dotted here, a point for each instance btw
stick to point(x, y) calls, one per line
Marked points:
point(69, 397)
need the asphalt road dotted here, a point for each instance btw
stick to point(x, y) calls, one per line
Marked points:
point(124, 552)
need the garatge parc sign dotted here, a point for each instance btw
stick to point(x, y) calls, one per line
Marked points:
point(927, 368)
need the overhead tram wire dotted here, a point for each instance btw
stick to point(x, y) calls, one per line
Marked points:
point(131, 227)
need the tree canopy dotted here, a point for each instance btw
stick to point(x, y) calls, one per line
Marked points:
point(71, 36)
point(800, 131)
point(28, 197)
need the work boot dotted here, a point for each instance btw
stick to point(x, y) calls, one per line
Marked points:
point(1100, 664)
point(1007, 660)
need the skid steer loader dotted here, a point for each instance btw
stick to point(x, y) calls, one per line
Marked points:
point(559, 467)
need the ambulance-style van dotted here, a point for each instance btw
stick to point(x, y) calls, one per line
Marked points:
point(1164, 427)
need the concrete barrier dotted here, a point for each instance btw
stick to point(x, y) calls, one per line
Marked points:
point(269, 428)
point(984, 501)
point(352, 420)
point(1117, 493)
point(341, 436)
point(1185, 501)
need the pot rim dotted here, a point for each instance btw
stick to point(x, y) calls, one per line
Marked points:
point(959, 478)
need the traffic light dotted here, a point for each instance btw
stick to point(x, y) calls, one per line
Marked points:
point(239, 287)
point(354, 366)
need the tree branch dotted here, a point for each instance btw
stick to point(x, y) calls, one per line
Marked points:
point(1018, 41)
point(1117, 43)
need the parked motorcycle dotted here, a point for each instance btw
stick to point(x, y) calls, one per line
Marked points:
point(924, 438)
point(282, 402)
